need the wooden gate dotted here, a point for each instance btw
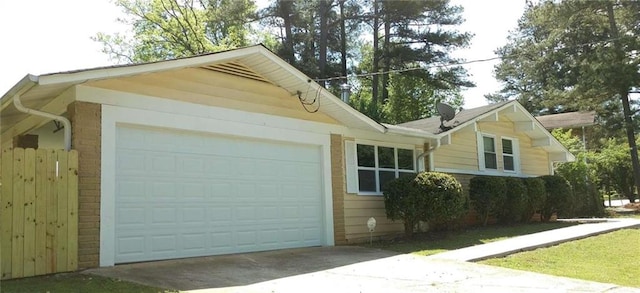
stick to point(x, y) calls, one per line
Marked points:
point(38, 212)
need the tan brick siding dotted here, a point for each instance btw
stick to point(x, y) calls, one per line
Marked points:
point(86, 121)
point(338, 188)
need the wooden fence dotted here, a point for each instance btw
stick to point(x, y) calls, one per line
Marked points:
point(38, 212)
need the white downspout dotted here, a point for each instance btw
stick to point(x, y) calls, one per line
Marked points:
point(65, 122)
point(424, 154)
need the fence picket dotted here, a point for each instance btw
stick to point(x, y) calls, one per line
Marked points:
point(6, 214)
point(62, 231)
point(29, 213)
point(17, 258)
point(38, 212)
point(41, 211)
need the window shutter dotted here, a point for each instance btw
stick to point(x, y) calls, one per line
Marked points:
point(351, 166)
point(480, 143)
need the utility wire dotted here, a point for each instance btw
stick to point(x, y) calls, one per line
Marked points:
point(451, 64)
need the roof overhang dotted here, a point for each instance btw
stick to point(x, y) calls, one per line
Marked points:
point(40, 90)
point(523, 122)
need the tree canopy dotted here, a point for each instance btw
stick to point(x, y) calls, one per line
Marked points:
point(401, 50)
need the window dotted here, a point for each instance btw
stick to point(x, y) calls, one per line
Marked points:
point(508, 158)
point(489, 152)
point(377, 165)
point(490, 157)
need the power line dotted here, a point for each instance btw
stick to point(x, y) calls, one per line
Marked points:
point(450, 64)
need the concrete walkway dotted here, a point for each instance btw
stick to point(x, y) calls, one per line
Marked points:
point(358, 269)
point(590, 227)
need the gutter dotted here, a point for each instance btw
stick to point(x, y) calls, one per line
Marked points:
point(33, 81)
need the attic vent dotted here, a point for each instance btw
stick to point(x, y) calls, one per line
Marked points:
point(237, 69)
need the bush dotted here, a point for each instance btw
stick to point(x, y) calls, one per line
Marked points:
point(487, 195)
point(429, 196)
point(559, 197)
point(402, 201)
point(535, 197)
point(513, 206)
point(444, 197)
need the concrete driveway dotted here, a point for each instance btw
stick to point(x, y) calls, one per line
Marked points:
point(239, 269)
point(341, 269)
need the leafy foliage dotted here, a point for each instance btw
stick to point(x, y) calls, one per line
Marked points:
point(429, 196)
point(487, 194)
point(402, 201)
point(445, 200)
point(613, 167)
point(514, 203)
point(581, 175)
point(536, 196)
point(559, 197)
point(167, 29)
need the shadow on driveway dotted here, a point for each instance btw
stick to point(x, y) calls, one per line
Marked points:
point(239, 269)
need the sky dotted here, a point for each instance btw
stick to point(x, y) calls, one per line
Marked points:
point(45, 36)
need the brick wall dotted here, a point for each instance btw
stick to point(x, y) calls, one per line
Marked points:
point(338, 188)
point(86, 139)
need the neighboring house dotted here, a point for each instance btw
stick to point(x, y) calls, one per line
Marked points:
point(225, 153)
point(578, 122)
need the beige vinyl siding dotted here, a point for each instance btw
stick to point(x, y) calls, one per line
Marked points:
point(462, 153)
point(200, 86)
point(358, 209)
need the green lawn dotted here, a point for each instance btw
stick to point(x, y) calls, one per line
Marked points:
point(609, 258)
point(432, 243)
point(72, 283)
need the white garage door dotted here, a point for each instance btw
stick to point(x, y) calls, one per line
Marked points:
point(184, 194)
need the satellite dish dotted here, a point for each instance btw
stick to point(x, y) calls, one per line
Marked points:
point(447, 113)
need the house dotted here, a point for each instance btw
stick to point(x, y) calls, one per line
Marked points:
point(579, 122)
point(238, 151)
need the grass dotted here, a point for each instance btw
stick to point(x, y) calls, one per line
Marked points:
point(432, 243)
point(73, 282)
point(609, 258)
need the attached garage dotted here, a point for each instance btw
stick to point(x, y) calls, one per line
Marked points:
point(181, 194)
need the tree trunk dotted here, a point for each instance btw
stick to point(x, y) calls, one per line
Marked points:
point(376, 60)
point(343, 42)
point(322, 42)
point(386, 57)
point(408, 228)
point(624, 96)
point(286, 13)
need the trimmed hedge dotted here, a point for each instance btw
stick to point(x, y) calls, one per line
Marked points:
point(487, 195)
point(536, 196)
point(559, 197)
point(429, 196)
point(445, 200)
point(402, 201)
point(514, 202)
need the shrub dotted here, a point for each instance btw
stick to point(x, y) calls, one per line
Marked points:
point(402, 201)
point(429, 196)
point(444, 197)
point(559, 197)
point(513, 206)
point(535, 197)
point(487, 195)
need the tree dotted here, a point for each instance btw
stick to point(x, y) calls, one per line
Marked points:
point(614, 168)
point(409, 38)
point(582, 175)
point(166, 29)
point(574, 55)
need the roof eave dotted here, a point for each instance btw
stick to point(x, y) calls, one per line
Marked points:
point(28, 80)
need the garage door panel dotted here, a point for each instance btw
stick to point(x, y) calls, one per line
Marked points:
point(184, 194)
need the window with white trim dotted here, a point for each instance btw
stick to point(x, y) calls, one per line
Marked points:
point(508, 155)
point(377, 165)
point(489, 150)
